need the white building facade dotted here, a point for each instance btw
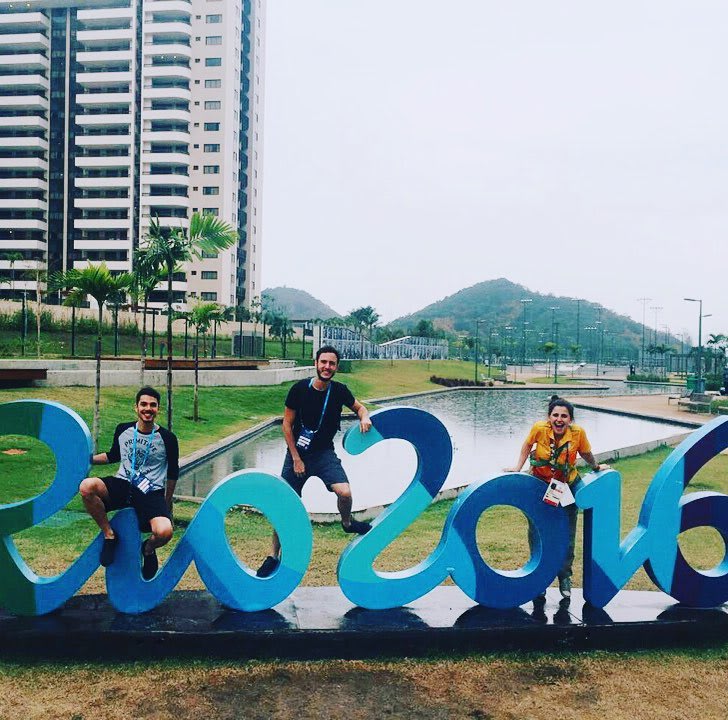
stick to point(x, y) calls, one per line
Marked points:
point(114, 112)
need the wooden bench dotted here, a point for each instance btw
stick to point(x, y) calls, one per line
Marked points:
point(696, 403)
point(684, 395)
point(20, 377)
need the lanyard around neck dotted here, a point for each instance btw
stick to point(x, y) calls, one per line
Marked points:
point(323, 410)
point(146, 454)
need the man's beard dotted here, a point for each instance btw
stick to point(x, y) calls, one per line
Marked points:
point(326, 379)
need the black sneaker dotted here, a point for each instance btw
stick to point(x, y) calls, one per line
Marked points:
point(108, 550)
point(269, 566)
point(360, 528)
point(150, 564)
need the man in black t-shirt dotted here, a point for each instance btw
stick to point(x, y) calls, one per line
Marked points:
point(149, 467)
point(310, 420)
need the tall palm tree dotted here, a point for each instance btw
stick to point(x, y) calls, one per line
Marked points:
point(167, 247)
point(12, 258)
point(98, 282)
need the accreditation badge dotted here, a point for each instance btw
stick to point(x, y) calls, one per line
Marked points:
point(554, 492)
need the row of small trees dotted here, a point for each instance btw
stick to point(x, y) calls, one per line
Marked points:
point(164, 251)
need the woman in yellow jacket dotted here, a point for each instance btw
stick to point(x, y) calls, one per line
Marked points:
point(552, 447)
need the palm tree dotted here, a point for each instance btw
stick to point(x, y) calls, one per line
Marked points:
point(201, 316)
point(167, 247)
point(39, 276)
point(279, 326)
point(256, 315)
point(12, 258)
point(99, 283)
point(146, 278)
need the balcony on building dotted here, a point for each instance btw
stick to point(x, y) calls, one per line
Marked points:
point(115, 39)
point(104, 141)
point(23, 142)
point(33, 81)
point(23, 43)
point(88, 58)
point(105, 79)
point(117, 244)
point(35, 102)
point(30, 62)
point(104, 18)
point(102, 223)
point(120, 203)
point(24, 22)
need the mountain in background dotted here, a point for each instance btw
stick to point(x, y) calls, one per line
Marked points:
point(296, 304)
point(497, 303)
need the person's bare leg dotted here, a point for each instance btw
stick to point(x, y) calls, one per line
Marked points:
point(343, 502)
point(93, 493)
point(276, 545)
point(161, 534)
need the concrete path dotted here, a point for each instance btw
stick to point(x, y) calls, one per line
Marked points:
point(650, 406)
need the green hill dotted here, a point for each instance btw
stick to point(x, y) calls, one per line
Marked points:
point(498, 304)
point(296, 304)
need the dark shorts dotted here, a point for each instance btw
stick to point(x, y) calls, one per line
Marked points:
point(123, 495)
point(323, 464)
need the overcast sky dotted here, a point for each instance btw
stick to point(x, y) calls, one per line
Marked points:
point(414, 148)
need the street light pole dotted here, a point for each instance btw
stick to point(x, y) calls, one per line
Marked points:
point(524, 301)
point(644, 301)
point(556, 349)
point(477, 340)
point(657, 309)
point(699, 378)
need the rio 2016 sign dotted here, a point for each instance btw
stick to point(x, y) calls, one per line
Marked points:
point(608, 563)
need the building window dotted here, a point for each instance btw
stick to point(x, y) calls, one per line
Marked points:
point(213, 40)
point(210, 211)
point(211, 147)
point(212, 126)
point(210, 169)
point(208, 255)
point(209, 274)
point(213, 62)
point(213, 104)
point(209, 296)
point(209, 19)
point(213, 83)
point(210, 190)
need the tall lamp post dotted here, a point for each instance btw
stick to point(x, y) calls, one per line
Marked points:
point(644, 301)
point(657, 309)
point(699, 383)
point(524, 302)
point(477, 340)
point(553, 338)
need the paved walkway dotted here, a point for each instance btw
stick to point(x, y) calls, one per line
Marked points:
point(653, 406)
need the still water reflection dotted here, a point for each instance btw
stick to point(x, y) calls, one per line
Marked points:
point(487, 429)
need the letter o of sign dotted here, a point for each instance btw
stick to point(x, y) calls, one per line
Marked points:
point(506, 588)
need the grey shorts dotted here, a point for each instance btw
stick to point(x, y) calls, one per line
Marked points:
point(323, 464)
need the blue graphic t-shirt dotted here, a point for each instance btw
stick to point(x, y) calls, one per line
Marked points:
point(157, 461)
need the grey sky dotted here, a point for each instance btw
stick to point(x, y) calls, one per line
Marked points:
point(415, 147)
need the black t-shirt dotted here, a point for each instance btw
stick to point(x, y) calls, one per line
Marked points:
point(308, 404)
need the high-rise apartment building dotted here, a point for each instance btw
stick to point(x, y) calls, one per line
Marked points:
point(114, 112)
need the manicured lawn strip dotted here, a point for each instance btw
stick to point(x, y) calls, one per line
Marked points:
point(585, 686)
